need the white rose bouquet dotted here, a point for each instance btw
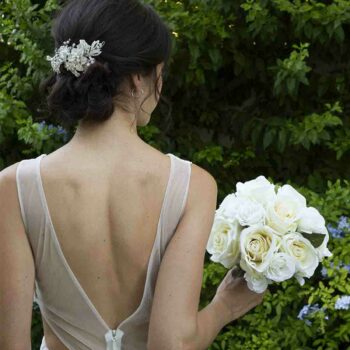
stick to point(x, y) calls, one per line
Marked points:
point(271, 235)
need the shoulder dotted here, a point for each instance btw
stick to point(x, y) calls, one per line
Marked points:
point(202, 182)
point(8, 181)
point(9, 203)
point(203, 188)
point(201, 177)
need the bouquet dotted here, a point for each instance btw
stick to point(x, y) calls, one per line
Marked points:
point(268, 232)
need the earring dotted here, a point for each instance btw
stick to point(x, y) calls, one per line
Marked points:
point(133, 92)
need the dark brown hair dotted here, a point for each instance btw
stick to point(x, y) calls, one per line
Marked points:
point(136, 41)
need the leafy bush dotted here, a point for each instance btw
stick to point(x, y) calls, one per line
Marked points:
point(257, 87)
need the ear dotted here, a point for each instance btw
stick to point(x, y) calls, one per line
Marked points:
point(136, 80)
point(160, 68)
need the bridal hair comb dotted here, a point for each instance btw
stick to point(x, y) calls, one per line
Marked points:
point(76, 58)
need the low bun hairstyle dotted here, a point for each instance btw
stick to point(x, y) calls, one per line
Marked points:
point(136, 41)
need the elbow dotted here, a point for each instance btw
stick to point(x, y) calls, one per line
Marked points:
point(161, 341)
point(179, 335)
point(169, 345)
point(186, 345)
point(15, 346)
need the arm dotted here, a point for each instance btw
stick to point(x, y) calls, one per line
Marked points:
point(17, 270)
point(211, 319)
point(175, 322)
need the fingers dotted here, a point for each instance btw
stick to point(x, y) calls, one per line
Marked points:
point(236, 272)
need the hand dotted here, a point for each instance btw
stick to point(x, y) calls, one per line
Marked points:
point(235, 296)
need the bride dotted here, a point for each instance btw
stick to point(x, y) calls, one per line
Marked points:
point(107, 233)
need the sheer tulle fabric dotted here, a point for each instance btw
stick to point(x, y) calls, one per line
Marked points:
point(77, 323)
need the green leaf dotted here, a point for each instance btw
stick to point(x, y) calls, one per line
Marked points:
point(282, 140)
point(269, 137)
point(315, 239)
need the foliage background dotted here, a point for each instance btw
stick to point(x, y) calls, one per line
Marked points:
point(256, 87)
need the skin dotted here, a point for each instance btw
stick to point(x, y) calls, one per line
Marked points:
point(92, 183)
point(131, 171)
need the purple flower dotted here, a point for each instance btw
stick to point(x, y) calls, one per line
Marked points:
point(324, 272)
point(341, 266)
point(61, 131)
point(342, 303)
point(339, 231)
point(41, 125)
point(343, 223)
point(303, 312)
point(346, 267)
point(335, 232)
point(308, 310)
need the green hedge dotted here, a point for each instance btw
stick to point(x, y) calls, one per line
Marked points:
point(256, 87)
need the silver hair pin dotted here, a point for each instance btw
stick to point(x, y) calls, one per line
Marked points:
point(76, 58)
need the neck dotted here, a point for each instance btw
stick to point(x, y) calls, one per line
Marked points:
point(117, 133)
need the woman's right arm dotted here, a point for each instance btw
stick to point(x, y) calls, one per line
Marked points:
point(174, 315)
point(175, 322)
point(232, 300)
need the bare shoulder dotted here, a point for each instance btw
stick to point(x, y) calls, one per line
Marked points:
point(8, 181)
point(9, 205)
point(203, 186)
point(200, 176)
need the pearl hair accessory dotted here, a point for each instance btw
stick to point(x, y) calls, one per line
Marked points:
point(76, 58)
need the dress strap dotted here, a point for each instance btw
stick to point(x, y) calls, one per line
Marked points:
point(176, 199)
point(33, 215)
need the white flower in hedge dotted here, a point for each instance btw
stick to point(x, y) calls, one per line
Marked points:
point(281, 267)
point(223, 242)
point(284, 212)
point(258, 244)
point(303, 252)
point(259, 189)
point(250, 212)
point(256, 281)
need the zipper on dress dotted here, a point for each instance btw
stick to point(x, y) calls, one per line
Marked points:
point(113, 339)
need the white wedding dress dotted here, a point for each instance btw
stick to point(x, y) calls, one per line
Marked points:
point(63, 303)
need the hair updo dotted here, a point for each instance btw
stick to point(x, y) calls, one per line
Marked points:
point(136, 41)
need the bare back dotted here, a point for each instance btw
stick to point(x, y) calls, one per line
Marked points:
point(105, 214)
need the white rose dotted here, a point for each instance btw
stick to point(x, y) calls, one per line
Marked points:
point(311, 221)
point(259, 189)
point(322, 250)
point(284, 212)
point(250, 212)
point(223, 242)
point(303, 252)
point(228, 207)
point(258, 244)
point(288, 190)
point(300, 278)
point(256, 281)
point(281, 267)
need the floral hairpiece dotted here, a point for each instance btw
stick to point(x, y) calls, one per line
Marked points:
point(76, 58)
